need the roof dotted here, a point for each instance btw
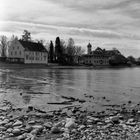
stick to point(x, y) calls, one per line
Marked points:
point(89, 45)
point(33, 46)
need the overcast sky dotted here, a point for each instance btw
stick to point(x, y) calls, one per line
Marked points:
point(106, 23)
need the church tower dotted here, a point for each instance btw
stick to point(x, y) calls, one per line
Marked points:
point(89, 47)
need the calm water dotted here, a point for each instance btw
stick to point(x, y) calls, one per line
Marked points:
point(117, 84)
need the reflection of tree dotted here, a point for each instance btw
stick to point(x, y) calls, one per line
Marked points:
point(4, 78)
point(26, 99)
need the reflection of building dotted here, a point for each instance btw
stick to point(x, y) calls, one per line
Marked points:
point(98, 57)
point(20, 51)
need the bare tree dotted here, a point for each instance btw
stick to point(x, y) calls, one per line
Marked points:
point(71, 47)
point(3, 45)
point(79, 51)
point(41, 41)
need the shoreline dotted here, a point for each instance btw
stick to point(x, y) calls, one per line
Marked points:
point(70, 123)
point(56, 66)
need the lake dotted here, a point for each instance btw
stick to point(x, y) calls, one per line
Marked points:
point(38, 86)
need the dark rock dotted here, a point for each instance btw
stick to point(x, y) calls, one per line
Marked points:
point(55, 130)
point(16, 132)
point(129, 102)
point(30, 108)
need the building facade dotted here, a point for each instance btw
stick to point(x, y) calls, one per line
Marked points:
point(26, 52)
point(98, 57)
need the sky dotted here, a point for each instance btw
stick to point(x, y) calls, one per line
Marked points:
point(104, 23)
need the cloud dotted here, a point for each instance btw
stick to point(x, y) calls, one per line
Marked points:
point(53, 29)
point(105, 21)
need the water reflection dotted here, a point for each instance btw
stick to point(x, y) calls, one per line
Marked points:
point(73, 82)
point(26, 99)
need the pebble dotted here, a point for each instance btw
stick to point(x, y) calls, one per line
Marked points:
point(17, 123)
point(88, 127)
point(4, 122)
point(48, 125)
point(81, 127)
point(2, 128)
point(55, 130)
point(39, 127)
point(9, 130)
point(28, 129)
point(31, 122)
point(22, 137)
point(16, 131)
point(70, 123)
point(8, 124)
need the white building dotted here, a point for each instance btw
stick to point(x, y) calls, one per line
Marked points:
point(26, 52)
point(98, 57)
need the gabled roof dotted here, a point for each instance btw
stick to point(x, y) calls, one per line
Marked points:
point(33, 46)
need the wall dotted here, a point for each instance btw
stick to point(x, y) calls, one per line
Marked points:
point(36, 57)
point(15, 49)
point(97, 61)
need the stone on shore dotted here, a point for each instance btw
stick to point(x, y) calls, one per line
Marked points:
point(70, 123)
point(16, 131)
point(17, 123)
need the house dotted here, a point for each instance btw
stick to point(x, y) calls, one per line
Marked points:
point(98, 57)
point(26, 52)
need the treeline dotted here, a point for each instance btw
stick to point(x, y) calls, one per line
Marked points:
point(119, 59)
point(64, 53)
point(59, 51)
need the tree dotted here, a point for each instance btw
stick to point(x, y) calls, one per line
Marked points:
point(41, 41)
point(71, 47)
point(131, 59)
point(58, 50)
point(13, 37)
point(26, 35)
point(3, 45)
point(117, 59)
point(51, 51)
point(79, 51)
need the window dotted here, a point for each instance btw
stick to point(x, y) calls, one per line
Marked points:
point(44, 57)
point(26, 56)
point(19, 52)
point(15, 52)
point(11, 53)
point(17, 47)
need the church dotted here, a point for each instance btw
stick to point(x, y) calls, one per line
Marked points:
point(98, 57)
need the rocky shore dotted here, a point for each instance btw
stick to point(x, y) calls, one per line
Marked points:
point(118, 122)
